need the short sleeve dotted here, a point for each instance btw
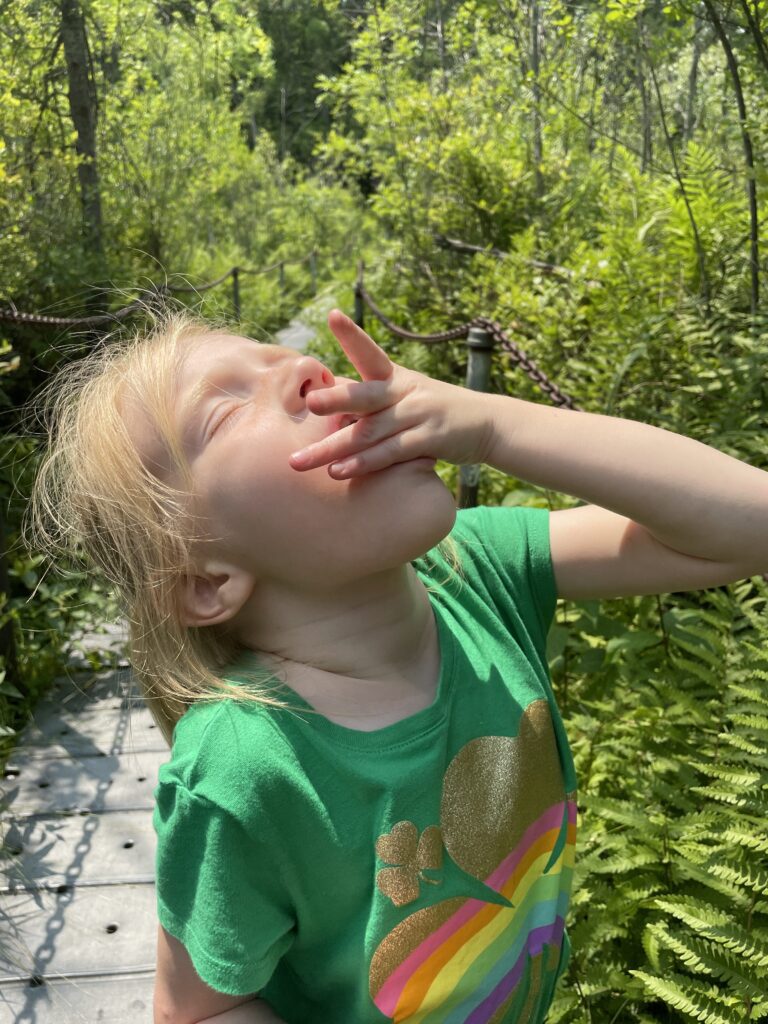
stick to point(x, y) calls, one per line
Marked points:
point(514, 544)
point(217, 892)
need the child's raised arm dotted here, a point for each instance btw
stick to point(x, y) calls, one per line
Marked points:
point(667, 513)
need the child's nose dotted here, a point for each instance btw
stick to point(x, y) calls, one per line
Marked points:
point(310, 374)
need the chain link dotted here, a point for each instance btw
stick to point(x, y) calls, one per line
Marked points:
point(12, 315)
point(428, 339)
point(526, 364)
point(515, 353)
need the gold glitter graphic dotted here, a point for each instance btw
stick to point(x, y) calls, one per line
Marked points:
point(494, 789)
point(412, 856)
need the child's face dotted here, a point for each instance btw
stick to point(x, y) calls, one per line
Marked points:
point(301, 528)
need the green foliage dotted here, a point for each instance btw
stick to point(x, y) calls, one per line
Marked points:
point(617, 256)
point(666, 709)
point(45, 611)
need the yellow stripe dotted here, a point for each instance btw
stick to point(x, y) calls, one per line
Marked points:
point(449, 976)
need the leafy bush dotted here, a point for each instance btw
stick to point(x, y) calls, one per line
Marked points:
point(666, 708)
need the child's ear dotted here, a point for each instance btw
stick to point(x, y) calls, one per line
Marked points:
point(216, 594)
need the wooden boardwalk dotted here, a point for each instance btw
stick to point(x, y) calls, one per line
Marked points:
point(78, 928)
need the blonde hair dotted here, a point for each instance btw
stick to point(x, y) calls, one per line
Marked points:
point(136, 530)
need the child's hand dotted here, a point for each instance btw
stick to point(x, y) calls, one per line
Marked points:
point(402, 414)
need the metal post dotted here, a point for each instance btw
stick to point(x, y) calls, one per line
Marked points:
point(313, 270)
point(236, 292)
point(359, 316)
point(480, 350)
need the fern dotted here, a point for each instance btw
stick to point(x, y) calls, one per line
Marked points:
point(707, 957)
point(694, 1000)
point(670, 904)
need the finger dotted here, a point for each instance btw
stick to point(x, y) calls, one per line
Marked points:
point(347, 442)
point(399, 448)
point(351, 396)
point(370, 361)
point(322, 453)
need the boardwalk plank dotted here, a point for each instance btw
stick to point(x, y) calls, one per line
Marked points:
point(79, 916)
point(105, 783)
point(81, 849)
point(102, 727)
point(111, 1000)
point(91, 929)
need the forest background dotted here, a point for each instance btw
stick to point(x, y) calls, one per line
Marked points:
point(590, 175)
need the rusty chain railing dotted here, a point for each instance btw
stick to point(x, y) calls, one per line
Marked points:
point(482, 337)
point(13, 315)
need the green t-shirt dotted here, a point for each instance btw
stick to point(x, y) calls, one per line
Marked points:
point(419, 872)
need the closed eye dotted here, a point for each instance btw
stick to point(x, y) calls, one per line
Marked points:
point(227, 419)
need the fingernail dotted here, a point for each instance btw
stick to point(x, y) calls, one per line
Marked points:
point(341, 468)
point(300, 458)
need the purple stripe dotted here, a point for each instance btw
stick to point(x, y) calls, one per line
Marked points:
point(550, 933)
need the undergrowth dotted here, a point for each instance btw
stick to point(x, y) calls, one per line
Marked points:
point(665, 702)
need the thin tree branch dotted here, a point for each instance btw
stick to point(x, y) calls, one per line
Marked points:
point(671, 147)
point(749, 159)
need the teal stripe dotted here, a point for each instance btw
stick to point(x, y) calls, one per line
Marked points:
point(505, 949)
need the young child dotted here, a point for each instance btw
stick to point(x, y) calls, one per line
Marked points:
point(369, 809)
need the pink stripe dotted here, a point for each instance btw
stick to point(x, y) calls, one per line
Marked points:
point(550, 819)
point(389, 993)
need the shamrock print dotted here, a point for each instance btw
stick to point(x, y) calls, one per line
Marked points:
point(412, 855)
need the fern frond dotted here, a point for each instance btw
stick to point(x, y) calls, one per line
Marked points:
point(758, 723)
point(696, 669)
point(706, 957)
point(717, 925)
point(751, 694)
point(681, 993)
point(749, 840)
point(733, 896)
point(734, 739)
point(755, 804)
point(755, 880)
point(621, 811)
point(736, 776)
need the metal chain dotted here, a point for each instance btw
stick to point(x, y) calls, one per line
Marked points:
point(517, 356)
point(59, 321)
point(515, 353)
point(14, 316)
point(428, 339)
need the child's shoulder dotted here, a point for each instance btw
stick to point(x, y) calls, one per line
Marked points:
point(227, 737)
point(502, 533)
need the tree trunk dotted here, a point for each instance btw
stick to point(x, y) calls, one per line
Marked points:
point(440, 29)
point(537, 140)
point(647, 145)
point(749, 159)
point(761, 48)
point(701, 256)
point(693, 79)
point(84, 111)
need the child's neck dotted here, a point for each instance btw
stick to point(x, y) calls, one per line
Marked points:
point(380, 630)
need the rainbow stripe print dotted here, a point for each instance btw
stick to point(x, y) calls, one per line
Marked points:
point(470, 968)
